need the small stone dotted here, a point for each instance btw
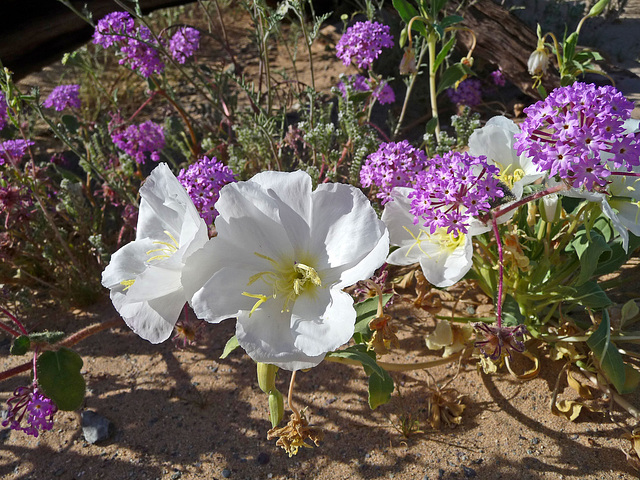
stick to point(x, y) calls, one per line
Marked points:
point(226, 473)
point(535, 441)
point(440, 474)
point(469, 472)
point(95, 427)
point(262, 458)
point(176, 475)
point(58, 472)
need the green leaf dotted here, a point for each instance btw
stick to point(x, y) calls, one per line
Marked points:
point(590, 251)
point(511, 315)
point(20, 345)
point(589, 295)
point(431, 126)
point(443, 53)
point(60, 379)
point(618, 256)
point(366, 311)
point(407, 12)
point(631, 379)
point(451, 75)
point(436, 6)
point(607, 354)
point(380, 382)
point(569, 47)
point(231, 345)
point(451, 20)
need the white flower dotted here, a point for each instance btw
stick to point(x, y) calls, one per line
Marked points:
point(144, 276)
point(444, 258)
point(495, 141)
point(282, 256)
point(538, 61)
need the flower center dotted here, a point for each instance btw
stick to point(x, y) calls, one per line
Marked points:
point(287, 282)
point(448, 242)
point(510, 179)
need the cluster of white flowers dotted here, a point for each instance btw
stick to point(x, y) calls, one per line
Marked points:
point(282, 257)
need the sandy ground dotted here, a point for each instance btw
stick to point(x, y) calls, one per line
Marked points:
point(184, 413)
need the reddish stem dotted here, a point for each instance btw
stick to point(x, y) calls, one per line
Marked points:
point(14, 320)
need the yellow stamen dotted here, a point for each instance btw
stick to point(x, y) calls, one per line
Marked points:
point(128, 284)
point(168, 248)
point(261, 300)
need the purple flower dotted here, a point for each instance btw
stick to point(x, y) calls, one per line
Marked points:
point(137, 45)
point(114, 27)
point(203, 181)
point(498, 78)
point(140, 53)
point(13, 150)
point(567, 132)
point(63, 96)
point(452, 189)
point(468, 92)
point(15, 203)
point(393, 165)
point(363, 43)
point(384, 94)
point(30, 411)
point(135, 140)
point(3, 111)
point(184, 44)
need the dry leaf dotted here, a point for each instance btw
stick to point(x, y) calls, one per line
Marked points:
point(581, 389)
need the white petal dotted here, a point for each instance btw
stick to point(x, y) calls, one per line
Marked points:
point(153, 320)
point(127, 263)
point(444, 268)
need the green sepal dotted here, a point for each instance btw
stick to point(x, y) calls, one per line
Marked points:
point(231, 345)
point(607, 354)
point(20, 345)
point(60, 379)
point(276, 407)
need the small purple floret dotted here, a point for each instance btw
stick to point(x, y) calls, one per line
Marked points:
point(203, 181)
point(13, 150)
point(184, 43)
point(567, 132)
point(30, 411)
point(63, 96)
point(137, 140)
point(363, 42)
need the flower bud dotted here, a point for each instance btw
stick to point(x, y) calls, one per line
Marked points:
point(538, 61)
point(276, 407)
point(266, 376)
point(408, 62)
point(598, 8)
point(550, 208)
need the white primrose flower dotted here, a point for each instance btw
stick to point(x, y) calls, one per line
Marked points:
point(282, 256)
point(443, 257)
point(495, 141)
point(144, 276)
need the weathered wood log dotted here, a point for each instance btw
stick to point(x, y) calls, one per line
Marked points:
point(505, 41)
point(34, 33)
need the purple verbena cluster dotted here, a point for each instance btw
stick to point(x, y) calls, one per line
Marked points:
point(452, 189)
point(30, 411)
point(136, 140)
point(363, 43)
point(13, 150)
point(137, 44)
point(3, 111)
point(203, 181)
point(16, 205)
point(383, 92)
point(567, 132)
point(393, 165)
point(63, 96)
point(468, 92)
point(498, 78)
point(184, 43)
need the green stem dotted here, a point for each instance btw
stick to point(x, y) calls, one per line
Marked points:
point(414, 76)
point(401, 367)
point(433, 94)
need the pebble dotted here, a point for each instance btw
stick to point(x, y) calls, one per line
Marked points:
point(95, 427)
point(440, 474)
point(176, 475)
point(262, 458)
point(226, 473)
point(535, 441)
point(469, 472)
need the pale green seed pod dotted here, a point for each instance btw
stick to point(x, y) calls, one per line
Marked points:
point(266, 376)
point(598, 8)
point(276, 407)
